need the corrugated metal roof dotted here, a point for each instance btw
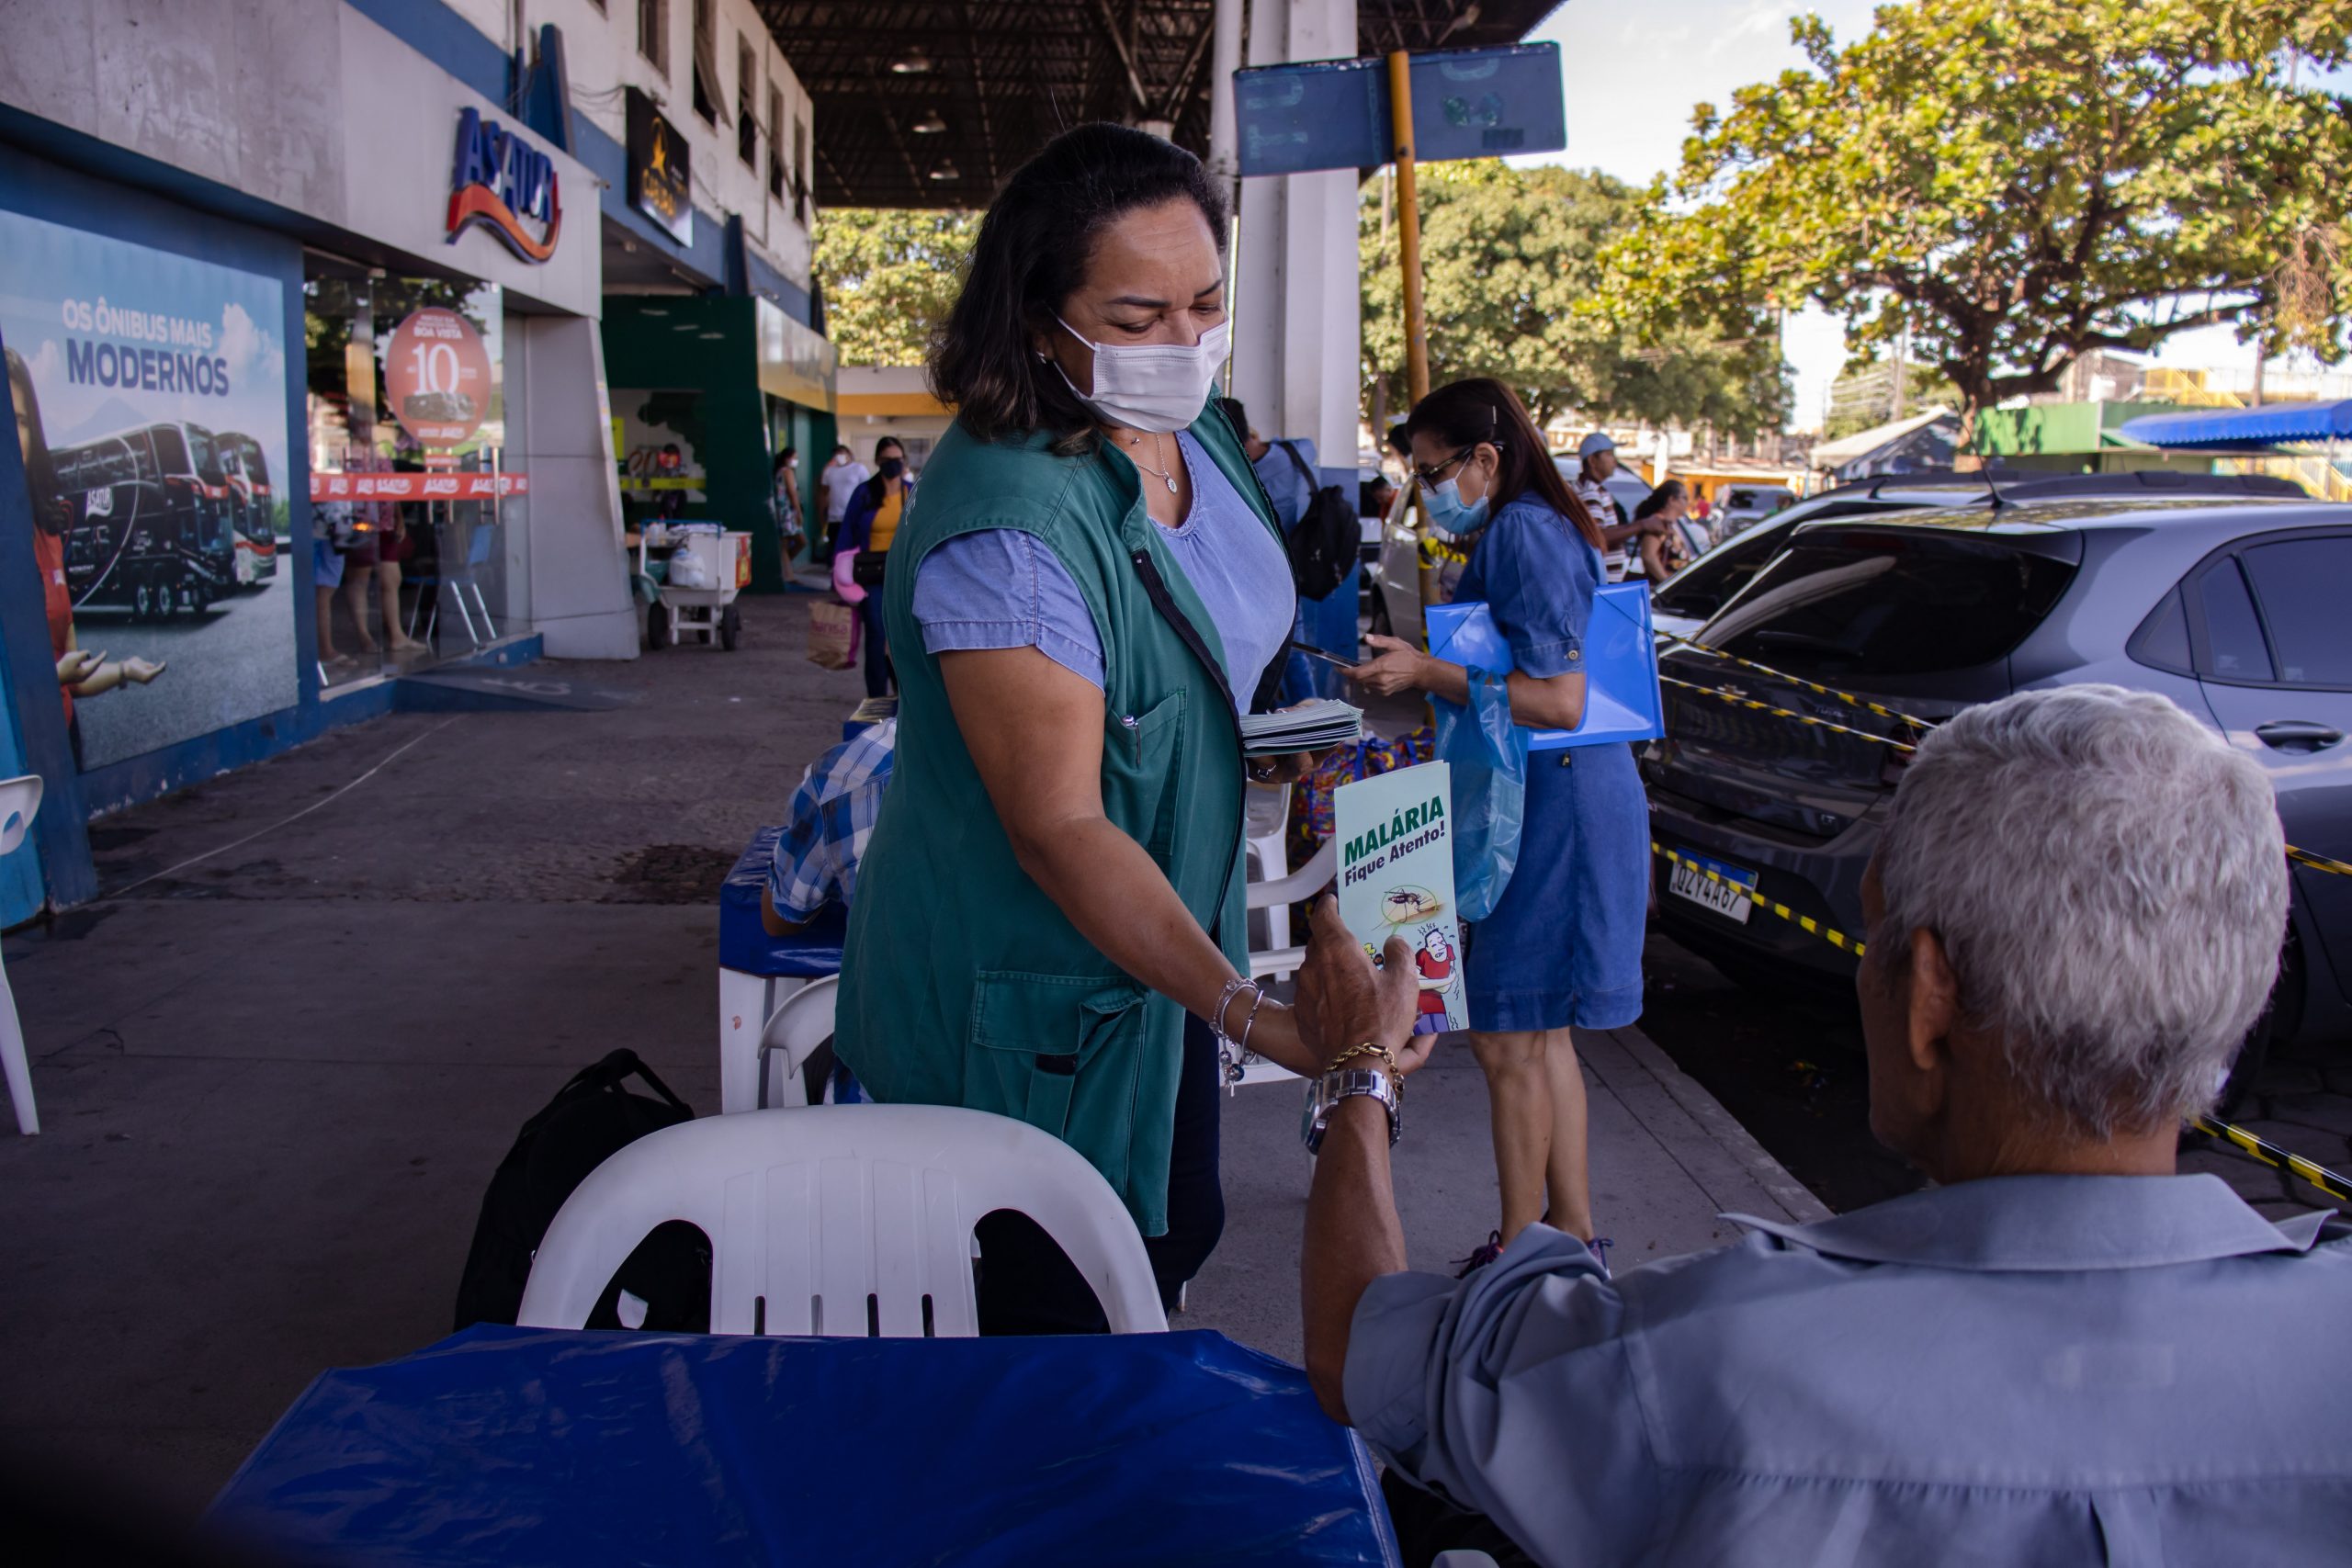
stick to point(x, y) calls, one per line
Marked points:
point(1004, 78)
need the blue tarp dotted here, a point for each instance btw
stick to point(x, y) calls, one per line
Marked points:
point(515, 1445)
point(2244, 430)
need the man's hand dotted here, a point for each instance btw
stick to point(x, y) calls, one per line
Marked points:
point(1344, 1001)
point(1395, 667)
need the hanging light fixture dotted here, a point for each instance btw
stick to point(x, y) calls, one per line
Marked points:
point(929, 124)
point(944, 171)
point(914, 63)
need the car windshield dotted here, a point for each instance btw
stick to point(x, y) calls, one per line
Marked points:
point(1839, 604)
point(1707, 585)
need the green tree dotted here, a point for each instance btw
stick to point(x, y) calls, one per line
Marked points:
point(889, 275)
point(2018, 181)
point(1508, 257)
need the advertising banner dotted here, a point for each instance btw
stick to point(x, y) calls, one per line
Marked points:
point(149, 392)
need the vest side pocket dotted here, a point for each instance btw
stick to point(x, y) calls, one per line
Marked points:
point(1141, 754)
point(1063, 1053)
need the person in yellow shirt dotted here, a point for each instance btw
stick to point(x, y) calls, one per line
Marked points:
point(868, 525)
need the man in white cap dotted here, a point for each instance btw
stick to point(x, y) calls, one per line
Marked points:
point(1598, 460)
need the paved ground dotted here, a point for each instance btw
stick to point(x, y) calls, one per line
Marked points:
point(274, 1079)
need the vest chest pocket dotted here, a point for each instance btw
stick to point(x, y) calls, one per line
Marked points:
point(1061, 1053)
point(1141, 754)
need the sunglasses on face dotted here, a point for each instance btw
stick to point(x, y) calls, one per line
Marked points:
point(1430, 478)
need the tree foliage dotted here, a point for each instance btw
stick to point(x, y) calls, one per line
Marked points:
point(889, 275)
point(1508, 255)
point(2019, 182)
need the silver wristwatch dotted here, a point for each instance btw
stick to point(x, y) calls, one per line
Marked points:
point(1326, 1092)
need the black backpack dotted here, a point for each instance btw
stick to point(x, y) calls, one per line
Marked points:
point(588, 1119)
point(1327, 539)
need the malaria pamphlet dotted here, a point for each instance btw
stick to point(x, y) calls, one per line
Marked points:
point(1396, 838)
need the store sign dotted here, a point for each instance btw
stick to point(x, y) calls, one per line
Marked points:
point(437, 377)
point(417, 487)
point(504, 184)
point(660, 182)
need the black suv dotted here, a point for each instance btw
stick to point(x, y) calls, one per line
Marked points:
point(2232, 609)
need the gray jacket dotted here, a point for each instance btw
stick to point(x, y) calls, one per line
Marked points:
point(2013, 1372)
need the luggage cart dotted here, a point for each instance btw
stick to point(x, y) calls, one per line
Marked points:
point(708, 613)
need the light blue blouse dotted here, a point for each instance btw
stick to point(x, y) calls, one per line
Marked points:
point(999, 588)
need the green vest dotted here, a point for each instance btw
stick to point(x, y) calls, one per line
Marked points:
point(962, 982)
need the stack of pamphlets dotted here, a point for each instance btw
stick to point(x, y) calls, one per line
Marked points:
point(1310, 726)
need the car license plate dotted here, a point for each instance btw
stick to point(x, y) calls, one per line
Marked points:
point(1687, 882)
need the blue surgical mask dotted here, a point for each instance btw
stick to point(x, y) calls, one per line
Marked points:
point(1449, 513)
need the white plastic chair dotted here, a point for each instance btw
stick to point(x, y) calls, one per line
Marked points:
point(1265, 814)
point(1307, 881)
point(19, 803)
point(842, 1220)
point(795, 1031)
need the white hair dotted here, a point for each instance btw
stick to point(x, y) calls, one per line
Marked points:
point(2108, 880)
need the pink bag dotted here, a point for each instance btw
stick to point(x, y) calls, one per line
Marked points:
point(844, 583)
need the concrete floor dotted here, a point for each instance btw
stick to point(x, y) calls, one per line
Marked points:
point(274, 1082)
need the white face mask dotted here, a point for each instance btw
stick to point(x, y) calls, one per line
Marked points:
point(1158, 386)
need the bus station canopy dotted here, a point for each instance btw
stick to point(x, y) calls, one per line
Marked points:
point(932, 105)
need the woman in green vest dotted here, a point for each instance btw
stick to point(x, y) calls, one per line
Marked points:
point(1089, 591)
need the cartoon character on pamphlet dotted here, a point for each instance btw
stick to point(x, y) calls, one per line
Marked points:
point(1434, 959)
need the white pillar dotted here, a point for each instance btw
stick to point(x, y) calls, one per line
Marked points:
point(578, 594)
point(1298, 322)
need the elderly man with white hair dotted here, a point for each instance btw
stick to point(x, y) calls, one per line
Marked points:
point(2061, 1352)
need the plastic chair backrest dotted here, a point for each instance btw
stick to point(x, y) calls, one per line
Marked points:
point(19, 803)
point(842, 1220)
point(1305, 883)
point(795, 1030)
point(478, 547)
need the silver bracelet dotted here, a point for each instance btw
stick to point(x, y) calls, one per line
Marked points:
point(1229, 1050)
point(1257, 1000)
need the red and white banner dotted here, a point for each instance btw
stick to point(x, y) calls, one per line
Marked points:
point(417, 487)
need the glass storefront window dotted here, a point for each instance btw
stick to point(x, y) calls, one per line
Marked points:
point(415, 510)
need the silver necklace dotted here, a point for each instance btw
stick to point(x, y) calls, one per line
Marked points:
point(1166, 476)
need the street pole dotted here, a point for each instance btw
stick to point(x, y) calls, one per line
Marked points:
point(1408, 263)
point(1409, 226)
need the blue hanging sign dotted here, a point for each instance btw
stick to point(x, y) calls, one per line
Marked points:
point(1334, 114)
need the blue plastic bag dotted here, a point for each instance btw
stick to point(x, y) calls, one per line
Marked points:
point(1487, 754)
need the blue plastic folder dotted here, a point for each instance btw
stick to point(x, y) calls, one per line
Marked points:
point(1620, 701)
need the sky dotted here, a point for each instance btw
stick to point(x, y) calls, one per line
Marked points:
point(1635, 72)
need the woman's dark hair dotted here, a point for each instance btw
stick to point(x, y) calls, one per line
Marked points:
point(1463, 414)
point(1031, 256)
point(878, 489)
point(784, 458)
point(1658, 499)
point(41, 471)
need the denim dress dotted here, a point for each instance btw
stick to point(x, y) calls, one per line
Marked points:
point(1564, 945)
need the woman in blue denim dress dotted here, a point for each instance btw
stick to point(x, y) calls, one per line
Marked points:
point(1562, 947)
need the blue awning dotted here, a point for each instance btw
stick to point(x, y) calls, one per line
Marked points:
point(2244, 430)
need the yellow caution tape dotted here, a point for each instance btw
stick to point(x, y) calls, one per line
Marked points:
point(1837, 938)
point(1736, 700)
point(2302, 857)
point(2317, 862)
point(1846, 697)
point(2271, 1154)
